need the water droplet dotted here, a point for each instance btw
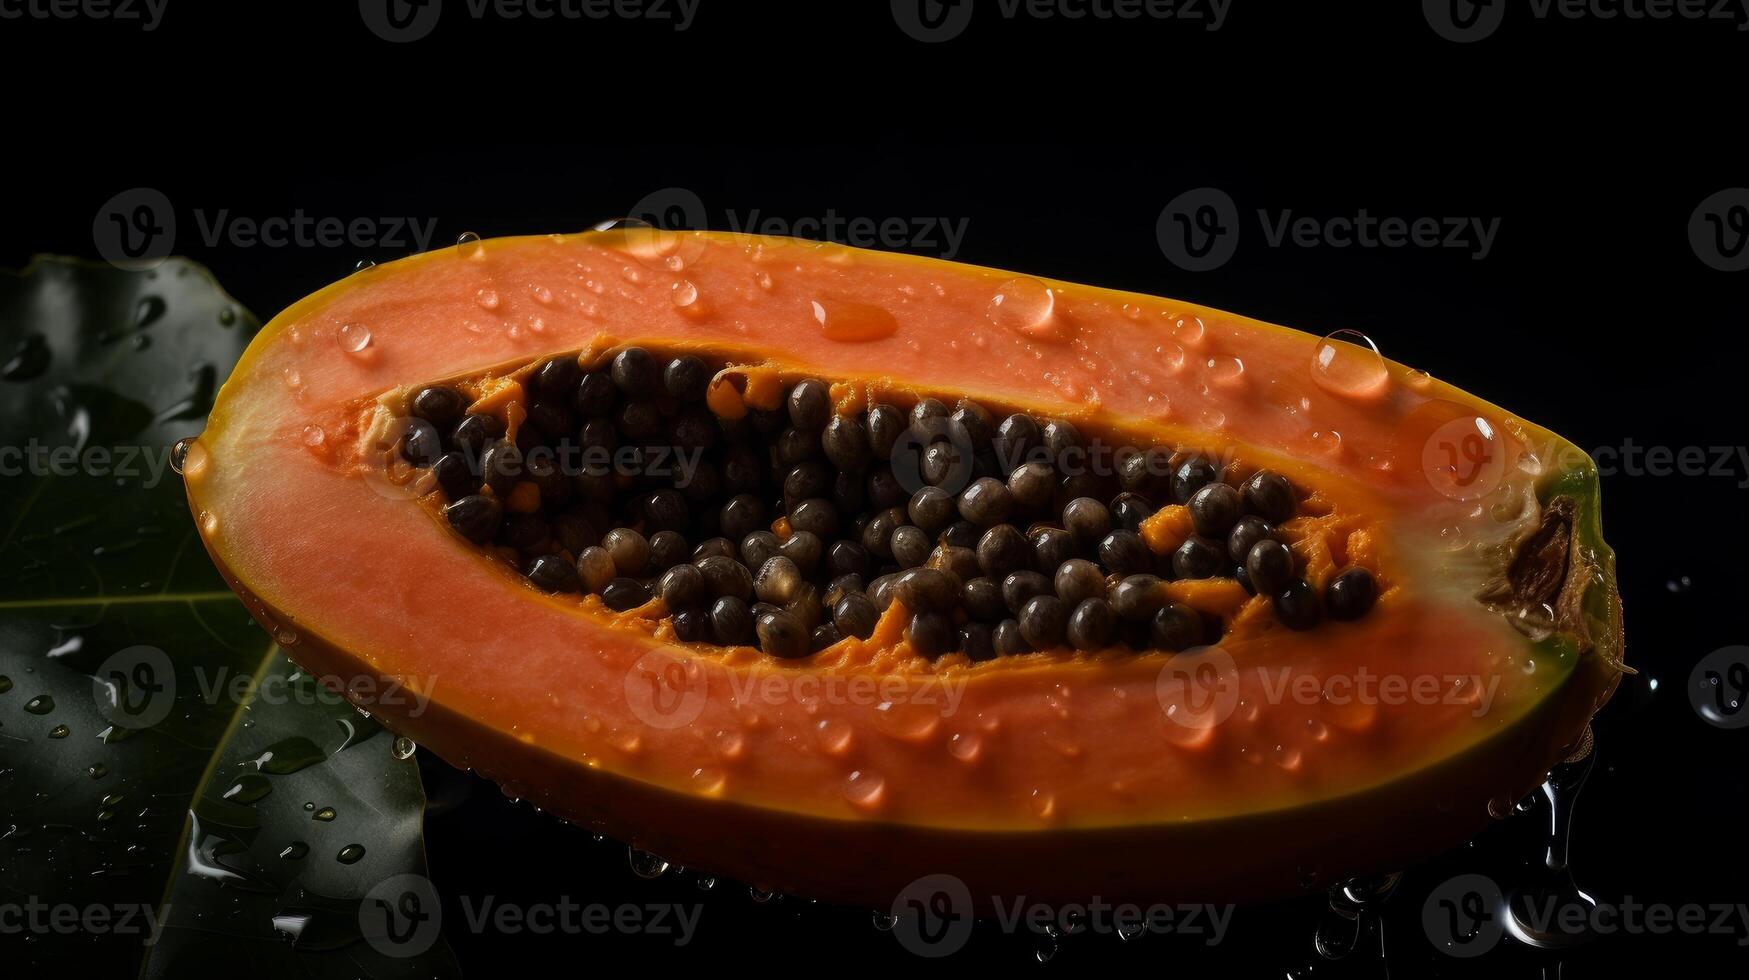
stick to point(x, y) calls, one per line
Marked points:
point(141, 341)
point(885, 921)
point(1027, 307)
point(1225, 370)
point(731, 745)
point(285, 637)
point(1679, 584)
point(709, 779)
point(965, 746)
point(248, 788)
point(764, 281)
point(314, 435)
point(149, 310)
point(28, 360)
point(1348, 363)
point(60, 731)
point(646, 865)
point(469, 246)
point(706, 883)
point(294, 851)
point(834, 735)
point(326, 814)
point(364, 265)
point(760, 895)
point(42, 704)
point(1419, 379)
point(542, 294)
point(353, 338)
point(97, 770)
point(1044, 804)
point(865, 790)
point(487, 298)
point(684, 294)
point(1325, 441)
point(404, 748)
point(179, 455)
point(209, 522)
point(5, 683)
point(1046, 949)
point(1189, 330)
point(228, 316)
point(1287, 396)
point(848, 321)
point(350, 854)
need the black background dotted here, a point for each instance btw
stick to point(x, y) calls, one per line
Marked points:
point(1591, 141)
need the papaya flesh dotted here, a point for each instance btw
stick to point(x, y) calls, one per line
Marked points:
point(1268, 759)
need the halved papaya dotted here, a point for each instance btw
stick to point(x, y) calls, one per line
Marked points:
point(1315, 613)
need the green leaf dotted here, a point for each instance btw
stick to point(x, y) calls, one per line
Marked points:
point(124, 660)
point(308, 800)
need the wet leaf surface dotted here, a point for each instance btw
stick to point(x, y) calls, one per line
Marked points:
point(124, 660)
